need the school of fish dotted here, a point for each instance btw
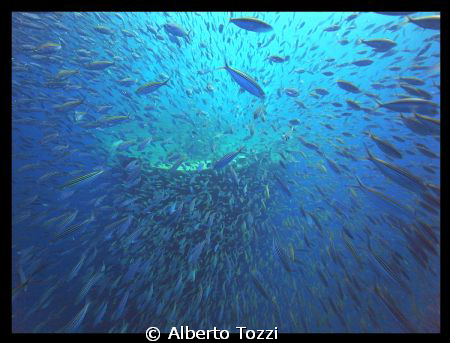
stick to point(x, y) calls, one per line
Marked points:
point(221, 169)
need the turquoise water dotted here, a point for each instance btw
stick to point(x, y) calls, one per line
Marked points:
point(122, 219)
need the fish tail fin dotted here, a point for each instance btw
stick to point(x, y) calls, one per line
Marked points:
point(359, 41)
point(223, 67)
point(378, 103)
point(406, 21)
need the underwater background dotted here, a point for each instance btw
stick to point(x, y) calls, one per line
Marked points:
point(216, 170)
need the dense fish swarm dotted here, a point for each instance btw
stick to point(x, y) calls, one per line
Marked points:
point(225, 170)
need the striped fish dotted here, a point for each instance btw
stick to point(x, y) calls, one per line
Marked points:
point(98, 65)
point(398, 175)
point(227, 158)
point(101, 313)
point(245, 81)
point(150, 87)
point(121, 307)
point(352, 250)
point(281, 255)
point(75, 323)
point(70, 230)
point(77, 267)
point(434, 125)
point(80, 179)
point(92, 280)
point(333, 165)
point(390, 304)
point(25, 281)
point(387, 270)
point(383, 201)
point(260, 287)
point(68, 219)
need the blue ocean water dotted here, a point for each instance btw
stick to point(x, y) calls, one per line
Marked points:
point(132, 205)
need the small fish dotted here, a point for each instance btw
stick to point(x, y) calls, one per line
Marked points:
point(386, 147)
point(398, 175)
point(332, 28)
point(98, 65)
point(321, 91)
point(245, 81)
point(81, 178)
point(362, 63)
point(48, 48)
point(227, 158)
point(384, 202)
point(177, 30)
point(284, 259)
point(410, 105)
point(251, 24)
point(416, 91)
point(283, 186)
point(260, 287)
point(294, 122)
point(278, 59)
point(348, 86)
point(150, 87)
point(68, 105)
point(434, 125)
point(379, 45)
point(127, 81)
point(430, 22)
point(390, 304)
point(292, 92)
point(103, 29)
point(415, 81)
point(74, 324)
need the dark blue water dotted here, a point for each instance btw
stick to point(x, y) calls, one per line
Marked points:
point(108, 238)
